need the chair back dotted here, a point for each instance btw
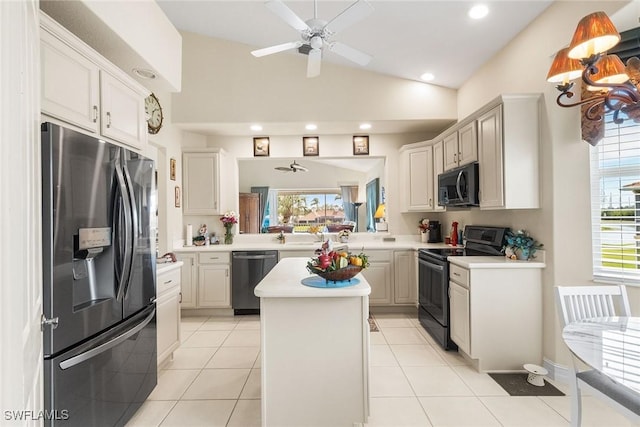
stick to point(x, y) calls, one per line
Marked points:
point(577, 303)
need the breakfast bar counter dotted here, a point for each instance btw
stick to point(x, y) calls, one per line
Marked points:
point(315, 349)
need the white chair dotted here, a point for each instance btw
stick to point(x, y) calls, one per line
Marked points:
point(577, 303)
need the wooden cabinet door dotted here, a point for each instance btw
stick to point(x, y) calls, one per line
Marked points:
point(450, 143)
point(438, 168)
point(460, 316)
point(421, 179)
point(378, 274)
point(405, 285)
point(249, 213)
point(122, 112)
point(491, 159)
point(168, 323)
point(467, 144)
point(188, 280)
point(214, 286)
point(200, 181)
point(70, 84)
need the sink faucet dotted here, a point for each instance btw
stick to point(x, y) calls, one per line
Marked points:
point(320, 236)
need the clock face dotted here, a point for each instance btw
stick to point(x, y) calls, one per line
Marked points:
point(153, 113)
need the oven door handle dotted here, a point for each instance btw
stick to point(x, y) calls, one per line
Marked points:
point(458, 190)
point(431, 265)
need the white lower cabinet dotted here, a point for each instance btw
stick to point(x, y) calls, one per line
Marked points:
point(168, 313)
point(206, 280)
point(379, 276)
point(405, 287)
point(496, 315)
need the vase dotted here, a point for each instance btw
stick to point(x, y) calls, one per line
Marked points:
point(523, 254)
point(228, 236)
point(424, 237)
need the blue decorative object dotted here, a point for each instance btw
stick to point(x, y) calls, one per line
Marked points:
point(319, 282)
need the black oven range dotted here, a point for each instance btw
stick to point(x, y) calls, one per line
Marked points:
point(433, 278)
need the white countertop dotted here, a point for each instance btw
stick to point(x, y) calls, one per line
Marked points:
point(493, 262)
point(284, 281)
point(168, 266)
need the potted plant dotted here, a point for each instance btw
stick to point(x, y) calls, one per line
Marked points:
point(228, 219)
point(423, 226)
point(520, 245)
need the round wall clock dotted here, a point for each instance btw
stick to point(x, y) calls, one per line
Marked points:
point(153, 113)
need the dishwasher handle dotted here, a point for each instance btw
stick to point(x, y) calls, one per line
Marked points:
point(254, 256)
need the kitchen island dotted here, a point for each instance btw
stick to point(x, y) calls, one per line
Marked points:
point(315, 349)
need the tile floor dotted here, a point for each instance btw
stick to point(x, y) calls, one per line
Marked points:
point(214, 380)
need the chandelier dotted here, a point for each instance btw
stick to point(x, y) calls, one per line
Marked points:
point(614, 86)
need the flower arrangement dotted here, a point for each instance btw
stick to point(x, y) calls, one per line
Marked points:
point(228, 219)
point(520, 245)
point(337, 265)
point(423, 225)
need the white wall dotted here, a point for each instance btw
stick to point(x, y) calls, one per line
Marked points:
point(563, 221)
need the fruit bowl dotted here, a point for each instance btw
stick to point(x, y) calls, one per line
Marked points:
point(340, 275)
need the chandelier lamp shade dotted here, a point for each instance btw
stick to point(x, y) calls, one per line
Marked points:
point(614, 85)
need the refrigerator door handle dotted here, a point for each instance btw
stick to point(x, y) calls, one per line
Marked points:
point(133, 212)
point(128, 249)
point(75, 360)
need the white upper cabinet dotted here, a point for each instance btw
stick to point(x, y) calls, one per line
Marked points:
point(420, 180)
point(461, 146)
point(508, 146)
point(83, 89)
point(438, 168)
point(202, 172)
point(69, 84)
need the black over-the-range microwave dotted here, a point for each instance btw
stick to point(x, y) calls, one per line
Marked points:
point(459, 187)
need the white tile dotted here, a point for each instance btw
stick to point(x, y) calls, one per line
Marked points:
point(523, 411)
point(252, 388)
point(480, 384)
point(381, 355)
point(452, 357)
point(219, 324)
point(417, 355)
point(403, 336)
point(172, 384)
point(217, 384)
point(184, 335)
point(393, 321)
point(200, 413)
point(397, 412)
point(258, 363)
point(428, 337)
point(243, 338)
point(151, 413)
point(191, 323)
point(247, 413)
point(234, 357)
point(206, 339)
point(389, 382)
point(457, 412)
point(595, 413)
point(377, 338)
point(436, 381)
point(249, 324)
point(190, 358)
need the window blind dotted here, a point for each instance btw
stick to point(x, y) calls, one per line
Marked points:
point(615, 203)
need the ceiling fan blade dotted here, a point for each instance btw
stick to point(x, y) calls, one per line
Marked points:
point(287, 15)
point(282, 168)
point(301, 169)
point(275, 49)
point(314, 62)
point(354, 13)
point(350, 53)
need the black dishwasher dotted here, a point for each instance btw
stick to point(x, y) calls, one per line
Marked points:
point(248, 268)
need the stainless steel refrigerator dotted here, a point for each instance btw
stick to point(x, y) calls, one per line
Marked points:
point(99, 328)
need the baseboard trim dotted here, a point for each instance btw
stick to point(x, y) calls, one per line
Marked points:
point(557, 372)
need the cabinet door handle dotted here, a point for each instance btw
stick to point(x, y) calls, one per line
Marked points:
point(180, 298)
point(191, 262)
point(168, 281)
point(95, 114)
point(456, 274)
point(430, 202)
point(226, 272)
point(108, 119)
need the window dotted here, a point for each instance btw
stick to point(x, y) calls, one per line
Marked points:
point(304, 209)
point(615, 203)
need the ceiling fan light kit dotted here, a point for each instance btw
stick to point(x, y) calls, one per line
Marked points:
point(316, 34)
point(293, 167)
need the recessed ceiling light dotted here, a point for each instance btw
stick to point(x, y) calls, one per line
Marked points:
point(144, 73)
point(311, 126)
point(365, 126)
point(427, 77)
point(478, 11)
point(256, 128)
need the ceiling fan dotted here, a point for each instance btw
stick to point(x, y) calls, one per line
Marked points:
point(293, 167)
point(316, 34)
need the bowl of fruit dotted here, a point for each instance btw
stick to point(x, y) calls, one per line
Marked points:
point(337, 266)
